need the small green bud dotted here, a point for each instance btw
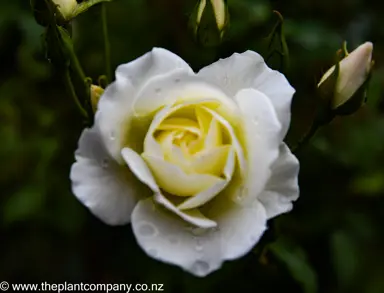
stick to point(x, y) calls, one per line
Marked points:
point(209, 21)
point(96, 93)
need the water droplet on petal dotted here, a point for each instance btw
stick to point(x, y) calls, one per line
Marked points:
point(199, 245)
point(112, 135)
point(158, 90)
point(177, 80)
point(147, 229)
point(225, 79)
point(241, 194)
point(105, 163)
point(198, 231)
point(200, 268)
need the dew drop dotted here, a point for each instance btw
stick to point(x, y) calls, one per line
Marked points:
point(158, 90)
point(255, 121)
point(112, 135)
point(200, 267)
point(199, 245)
point(105, 163)
point(198, 231)
point(225, 79)
point(147, 229)
point(241, 194)
point(177, 80)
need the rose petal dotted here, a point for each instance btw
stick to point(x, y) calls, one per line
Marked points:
point(282, 188)
point(175, 88)
point(240, 227)
point(234, 140)
point(182, 124)
point(248, 70)
point(115, 108)
point(151, 146)
point(193, 216)
point(212, 161)
point(174, 180)
point(206, 195)
point(199, 251)
point(261, 134)
point(214, 135)
point(173, 241)
point(110, 191)
point(157, 62)
point(140, 169)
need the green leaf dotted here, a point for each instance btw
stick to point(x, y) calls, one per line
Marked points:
point(22, 205)
point(295, 260)
point(345, 259)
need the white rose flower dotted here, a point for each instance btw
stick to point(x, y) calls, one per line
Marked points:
point(195, 162)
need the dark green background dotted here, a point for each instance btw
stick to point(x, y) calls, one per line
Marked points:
point(331, 242)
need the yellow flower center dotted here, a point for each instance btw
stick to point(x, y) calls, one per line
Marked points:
point(190, 149)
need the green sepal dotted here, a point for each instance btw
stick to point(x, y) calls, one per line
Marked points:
point(281, 48)
point(325, 94)
point(44, 11)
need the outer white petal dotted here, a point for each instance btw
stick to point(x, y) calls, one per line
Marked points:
point(240, 227)
point(157, 62)
point(282, 188)
point(248, 70)
point(109, 190)
point(261, 135)
point(198, 251)
point(115, 106)
point(175, 87)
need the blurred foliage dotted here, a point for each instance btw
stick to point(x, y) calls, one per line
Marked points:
point(330, 242)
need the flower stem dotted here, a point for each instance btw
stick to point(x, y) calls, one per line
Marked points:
point(72, 92)
point(107, 46)
point(81, 82)
point(304, 141)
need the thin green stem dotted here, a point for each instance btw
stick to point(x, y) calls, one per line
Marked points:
point(311, 133)
point(72, 92)
point(107, 46)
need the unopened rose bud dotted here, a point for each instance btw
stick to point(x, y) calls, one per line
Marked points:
point(44, 10)
point(210, 20)
point(66, 7)
point(96, 93)
point(344, 85)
